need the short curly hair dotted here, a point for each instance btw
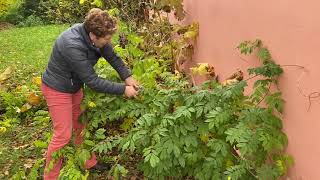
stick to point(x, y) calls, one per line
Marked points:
point(100, 23)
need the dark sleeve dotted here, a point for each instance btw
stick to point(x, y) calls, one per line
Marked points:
point(85, 71)
point(115, 61)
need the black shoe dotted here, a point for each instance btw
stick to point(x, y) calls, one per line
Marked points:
point(101, 166)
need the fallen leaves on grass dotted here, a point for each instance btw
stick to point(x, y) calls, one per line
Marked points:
point(34, 99)
point(6, 74)
point(36, 80)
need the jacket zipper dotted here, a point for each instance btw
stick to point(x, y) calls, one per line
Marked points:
point(71, 79)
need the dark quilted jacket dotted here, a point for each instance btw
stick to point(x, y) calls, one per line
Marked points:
point(71, 64)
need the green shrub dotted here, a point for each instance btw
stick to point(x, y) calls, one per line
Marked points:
point(71, 11)
point(4, 6)
point(9, 11)
point(213, 131)
point(21, 12)
point(29, 7)
point(37, 12)
point(31, 20)
point(47, 10)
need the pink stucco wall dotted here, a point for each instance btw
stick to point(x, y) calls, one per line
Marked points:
point(291, 30)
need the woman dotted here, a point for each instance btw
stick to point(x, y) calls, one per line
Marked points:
point(74, 54)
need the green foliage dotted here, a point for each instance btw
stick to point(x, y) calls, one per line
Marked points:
point(34, 172)
point(141, 12)
point(238, 172)
point(119, 171)
point(29, 7)
point(174, 130)
point(75, 158)
point(23, 13)
point(18, 112)
point(136, 11)
point(146, 71)
point(5, 6)
point(247, 47)
point(270, 71)
point(22, 149)
point(32, 13)
point(9, 11)
point(41, 117)
point(131, 51)
point(100, 134)
point(171, 5)
point(12, 102)
point(47, 11)
point(31, 21)
point(207, 132)
point(181, 131)
point(70, 11)
point(21, 105)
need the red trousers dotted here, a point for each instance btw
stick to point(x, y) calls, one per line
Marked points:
point(64, 109)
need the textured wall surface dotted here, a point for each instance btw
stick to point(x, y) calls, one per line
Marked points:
point(291, 31)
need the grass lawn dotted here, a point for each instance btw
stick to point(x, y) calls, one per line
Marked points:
point(29, 47)
point(28, 50)
point(23, 145)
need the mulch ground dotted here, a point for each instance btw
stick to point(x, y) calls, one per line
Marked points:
point(5, 25)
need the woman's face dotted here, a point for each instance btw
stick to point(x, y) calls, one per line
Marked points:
point(100, 42)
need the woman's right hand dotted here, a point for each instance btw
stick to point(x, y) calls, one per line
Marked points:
point(130, 91)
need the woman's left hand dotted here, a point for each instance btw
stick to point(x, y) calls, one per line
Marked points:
point(130, 81)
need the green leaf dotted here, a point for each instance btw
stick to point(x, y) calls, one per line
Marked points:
point(269, 70)
point(100, 133)
point(182, 161)
point(154, 160)
point(264, 54)
point(126, 145)
point(98, 3)
point(199, 111)
point(83, 156)
point(236, 172)
point(114, 12)
point(176, 151)
point(217, 117)
point(275, 101)
point(267, 172)
point(89, 142)
point(247, 47)
point(127, 124)
point(40, 144)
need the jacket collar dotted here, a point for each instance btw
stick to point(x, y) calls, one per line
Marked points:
point(86, 37)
